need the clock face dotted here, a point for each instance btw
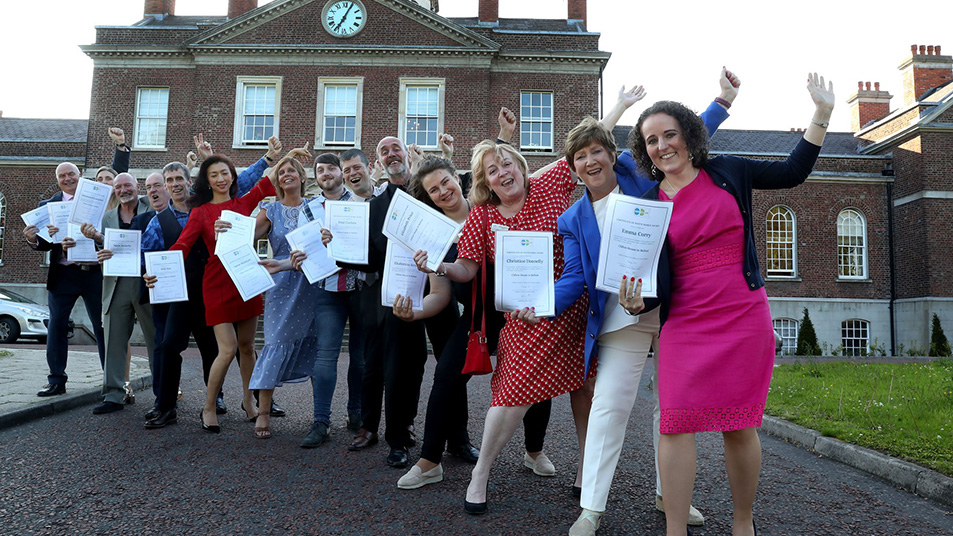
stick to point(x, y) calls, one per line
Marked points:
point(344, 18)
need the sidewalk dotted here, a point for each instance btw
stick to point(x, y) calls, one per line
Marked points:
point(23, 373)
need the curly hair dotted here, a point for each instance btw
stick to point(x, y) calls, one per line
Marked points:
point(427, 166)
point(693, 130)
point(480, 191)
point(201, 187)
point(587, 131)
point(302, 174)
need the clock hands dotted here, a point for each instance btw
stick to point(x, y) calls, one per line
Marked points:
point(344, 18)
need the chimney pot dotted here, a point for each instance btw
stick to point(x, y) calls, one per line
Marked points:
point(489, 10)
point(159, 7)
point(860, 85)
point(577, 10)
point(929, 50)
point(923, 50)
point(913, 49)
point(868, 86)
point(937, 49)
point(876, 86)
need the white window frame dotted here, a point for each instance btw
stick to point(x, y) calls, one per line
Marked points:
point(848, 251)
point(238, 141)
point(788, 329)
point(407, 82)
point(855, 329)
point(527, 120)
point(135, 131)
point(785, 241)
point(323, 82)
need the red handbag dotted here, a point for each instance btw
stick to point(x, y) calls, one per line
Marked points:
point(478, 353)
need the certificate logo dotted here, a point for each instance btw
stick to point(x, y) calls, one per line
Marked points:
point(164, 257)
point(394, 216)
point(640, 212)
point(525, 242)
point(347, 209)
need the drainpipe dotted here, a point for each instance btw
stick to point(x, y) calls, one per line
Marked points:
point(893, 271)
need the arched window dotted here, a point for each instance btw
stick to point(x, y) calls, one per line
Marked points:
point(787, 329)
point(3, 223)
point(855, 336)
point(851, 245)
point(780, 238)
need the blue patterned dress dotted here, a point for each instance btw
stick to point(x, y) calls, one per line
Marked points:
point(290, 331)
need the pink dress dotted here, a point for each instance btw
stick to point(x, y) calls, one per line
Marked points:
point(716, 349)
point(543, 361)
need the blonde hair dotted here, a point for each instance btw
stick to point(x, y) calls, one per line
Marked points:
point(298, 167)
point(480, 191)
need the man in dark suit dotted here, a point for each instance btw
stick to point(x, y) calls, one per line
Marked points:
point(65, 282)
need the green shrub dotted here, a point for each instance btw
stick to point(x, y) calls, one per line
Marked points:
point(807, 338)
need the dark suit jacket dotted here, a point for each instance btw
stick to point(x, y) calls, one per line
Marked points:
point(377, 242)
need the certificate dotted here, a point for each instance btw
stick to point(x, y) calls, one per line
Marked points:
point(169, 269)
point(249, 277)
point(242, 232)
point(40, 218)
point(632, 238)
point(415, 226)
point(125, 245)
point(59, 218)
point(349, 223)
point(89, 203)
point(85, 248)
point(307, 238)
point(401, 276)
point(524, 272)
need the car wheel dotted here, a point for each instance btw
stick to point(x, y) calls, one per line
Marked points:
point(9, 330)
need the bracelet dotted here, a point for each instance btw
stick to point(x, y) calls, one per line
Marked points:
point(723, 102)
point(269, 159)
point(121, 145)
point(822, 125)
point(628, 313)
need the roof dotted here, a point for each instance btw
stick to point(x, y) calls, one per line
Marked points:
point(180, 21)
point(43, 130)
point(523, 25)
point(762, 141)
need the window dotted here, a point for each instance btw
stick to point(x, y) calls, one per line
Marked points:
point(3, 223)
point(536, 120)
point(780, 238)
point(152, 112)
point(339, 112)
point(851, 245)
point(257, 107)
point(855, 334)
point(421, 110)
point(787, 329)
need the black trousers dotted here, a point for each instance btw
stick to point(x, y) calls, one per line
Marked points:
point(71, 283)
point(181, 319)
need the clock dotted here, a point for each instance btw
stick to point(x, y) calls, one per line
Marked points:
point(344, 18)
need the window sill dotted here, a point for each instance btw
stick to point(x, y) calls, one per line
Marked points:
point(262, 145)
point(336, 147)
point(149, 149)
point(538, 152)
point(859, 280)
point(783, 279)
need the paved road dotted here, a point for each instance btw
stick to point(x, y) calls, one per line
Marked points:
point(84, 474)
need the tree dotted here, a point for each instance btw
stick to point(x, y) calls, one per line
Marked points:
point(806, 338)
point(939, 345)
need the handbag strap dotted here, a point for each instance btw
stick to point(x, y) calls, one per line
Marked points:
point(482, 286)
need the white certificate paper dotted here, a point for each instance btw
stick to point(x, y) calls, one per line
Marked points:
point(40, 218)
point(85, 248)
point(307, 238)
point(242, 232)
point(401, 276)
point(349, 223)
point(524, 272)
point(169, 269)
point(89, 203)
point(59, 218)
point(632, 238)
point(249, 277)
point(415, 226)
point(126, 247)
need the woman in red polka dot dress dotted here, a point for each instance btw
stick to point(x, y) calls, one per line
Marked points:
point(535, 363)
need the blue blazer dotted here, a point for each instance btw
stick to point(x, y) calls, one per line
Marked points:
point(581, 240)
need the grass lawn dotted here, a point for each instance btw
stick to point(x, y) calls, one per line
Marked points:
point(905, 410)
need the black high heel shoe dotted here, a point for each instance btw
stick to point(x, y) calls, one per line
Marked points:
point(213, 429)
point(474, 509)
point(250, 419)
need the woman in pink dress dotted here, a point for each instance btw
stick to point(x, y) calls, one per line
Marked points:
point(716, 347)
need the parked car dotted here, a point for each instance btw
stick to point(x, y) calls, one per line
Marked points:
point(778, 342)
point(21, 317)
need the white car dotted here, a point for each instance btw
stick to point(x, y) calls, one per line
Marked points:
point(21, 317)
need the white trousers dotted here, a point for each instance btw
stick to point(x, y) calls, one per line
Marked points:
point(617, 385)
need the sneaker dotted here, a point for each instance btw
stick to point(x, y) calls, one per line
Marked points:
point(695, 518)
point(319, 432)
point(542, 465)
point(415, 478)
point(586, 524)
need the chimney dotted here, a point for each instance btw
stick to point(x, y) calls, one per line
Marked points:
point(489, 10)
point(160, 8)
point(925, 69)
point(577, 10)
point(237, 8)
point(867, 105)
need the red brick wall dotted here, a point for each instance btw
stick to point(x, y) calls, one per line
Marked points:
point(23, 188)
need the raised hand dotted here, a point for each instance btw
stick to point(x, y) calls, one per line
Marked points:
point(822, 94)
point(632, 96)
point(300, 153)
point(274, 149)
point(507, 121)
point(445, 144)
point(378, 172)
point(729, 84)
point(117, 135)
point(414, 155)
point(191, 159)
point(202, 147)
point(630, 295)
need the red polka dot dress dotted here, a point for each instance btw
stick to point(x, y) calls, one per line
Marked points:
point(545, 360)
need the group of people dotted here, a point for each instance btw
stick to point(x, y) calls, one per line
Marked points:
point(595, 348)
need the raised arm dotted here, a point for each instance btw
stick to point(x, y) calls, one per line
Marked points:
point(122, 153)
point(249, 178)
point(624, 102)
point(823, 98)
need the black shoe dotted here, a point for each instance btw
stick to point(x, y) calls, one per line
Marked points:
point(152, 413)
point(212, 429)
point(276, 411)
point(53, 389)
point(397, 458)
point(474, 508)
point(319, 432)
point(107, 407)
point(220, 408)
point(164, 419)
point(354, 421)
point(465, 452)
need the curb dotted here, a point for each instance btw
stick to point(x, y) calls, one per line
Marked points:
point(924, 482)
point(62, 403)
